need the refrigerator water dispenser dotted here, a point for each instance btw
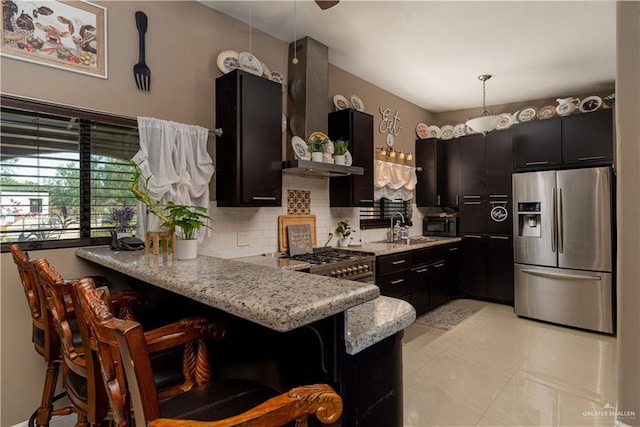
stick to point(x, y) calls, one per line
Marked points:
point(529, 219)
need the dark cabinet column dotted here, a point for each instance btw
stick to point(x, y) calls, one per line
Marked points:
point(472, 167)
point(451, 150)
point(474, 267)
point(498, 164)
point(429, 156)
point(500, 268)
point(420, 282)
point(438, 284)
point(453, 266)
point(357, 128)
point(249, 151)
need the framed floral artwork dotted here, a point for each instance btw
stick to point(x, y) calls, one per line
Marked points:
point(70, 35)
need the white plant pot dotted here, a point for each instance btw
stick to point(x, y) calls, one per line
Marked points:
point(317, 156)
point(338, 159)
point(186, 249)
point(343, 243)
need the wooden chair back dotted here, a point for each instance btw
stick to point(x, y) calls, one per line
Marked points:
point(126, 367)
point(43, 335)
point(81, 376)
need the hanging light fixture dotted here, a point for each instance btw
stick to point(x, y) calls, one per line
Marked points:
point(486, 122)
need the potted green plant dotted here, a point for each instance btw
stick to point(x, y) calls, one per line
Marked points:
point(344, 230)
point(316, 145)
point(188, 218)
point(339, 150)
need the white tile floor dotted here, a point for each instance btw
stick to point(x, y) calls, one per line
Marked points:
point(495, 369)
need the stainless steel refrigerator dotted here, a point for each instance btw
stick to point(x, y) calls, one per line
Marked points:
point(563, 253)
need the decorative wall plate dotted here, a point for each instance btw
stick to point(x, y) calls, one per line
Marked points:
point(505, 121)
point(434, 132)
point(357, 103)
point(300, 148)
point(527, 114)
point(250, 63)
point(459, 130)
point(590, 103)
point(422, 131)
point(227, 61)
point(446, 132)
point(340, 102)
point(546, 112)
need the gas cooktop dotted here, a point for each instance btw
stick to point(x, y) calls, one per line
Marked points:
point(322, 256)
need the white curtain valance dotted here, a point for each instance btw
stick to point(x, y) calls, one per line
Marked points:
point(394, 181)
point(175, 156)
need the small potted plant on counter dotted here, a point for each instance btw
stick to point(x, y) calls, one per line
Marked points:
point(190, 219)
point(339, 150)
point(316, 146)
point(344, 231)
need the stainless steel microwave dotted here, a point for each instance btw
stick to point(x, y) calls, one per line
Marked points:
point(440, 226)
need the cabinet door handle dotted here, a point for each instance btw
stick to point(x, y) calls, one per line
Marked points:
point(453, 249)
point(402, 261)
point(470, 197)
point(499, 237)
point(472, 203)
point(473, 236)
point(457, 201)
point(366, 201)
point(422, 270)
point(536, 163)
point(395, 282)
point(501, 196)
point(439, 265)
point(586, 159)
point(438, 200)
point(263, 198)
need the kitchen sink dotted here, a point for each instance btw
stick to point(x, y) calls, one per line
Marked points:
point(411, 241)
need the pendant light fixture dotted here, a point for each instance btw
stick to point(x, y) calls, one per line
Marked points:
point(486, 122)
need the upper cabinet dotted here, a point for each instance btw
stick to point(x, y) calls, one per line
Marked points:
point(357, 128)
point(571, 141)
point(431, 177)
point(249, 151)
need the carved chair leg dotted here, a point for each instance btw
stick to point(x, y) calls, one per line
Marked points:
point(48, 391)
point(82, 421)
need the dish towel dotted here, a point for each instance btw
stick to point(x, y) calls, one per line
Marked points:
point(393, 181)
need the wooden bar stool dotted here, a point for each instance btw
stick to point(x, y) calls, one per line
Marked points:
point(160, 238)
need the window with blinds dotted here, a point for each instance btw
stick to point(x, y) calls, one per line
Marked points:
point(65, 175)
point(379, 215)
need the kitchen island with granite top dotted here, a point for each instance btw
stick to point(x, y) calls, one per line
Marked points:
point(286, 327)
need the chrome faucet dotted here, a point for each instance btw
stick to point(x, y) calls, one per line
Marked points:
point(391, 236)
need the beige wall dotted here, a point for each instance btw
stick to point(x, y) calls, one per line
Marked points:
point(628, 141)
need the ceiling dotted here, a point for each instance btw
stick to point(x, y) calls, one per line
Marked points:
point(431, 52)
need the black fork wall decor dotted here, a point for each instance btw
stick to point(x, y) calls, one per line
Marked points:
point(141, 72)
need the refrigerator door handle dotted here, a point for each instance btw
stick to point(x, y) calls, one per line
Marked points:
point(560, 276)
point(560, 223)
point(554, 221)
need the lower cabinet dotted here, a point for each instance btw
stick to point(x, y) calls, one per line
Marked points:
point(420, 276)
point(487, 267)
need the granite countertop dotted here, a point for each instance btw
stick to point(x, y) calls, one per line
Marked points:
point(378, 248)
point(277, 298)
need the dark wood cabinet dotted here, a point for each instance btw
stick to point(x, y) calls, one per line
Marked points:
point(487, 267)
point(451, 154)
point(582, 139)
point(453, 265)
point(500, 268)
point(537, 144)
point(249, 151)
point(587, 139)
point(431, 179)
point(393, 275)
point(420, 281)
point(357, 128)
point(472, 167)
point(498, 164)
point(473, 214)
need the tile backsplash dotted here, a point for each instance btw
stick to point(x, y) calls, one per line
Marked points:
point(238, 232)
